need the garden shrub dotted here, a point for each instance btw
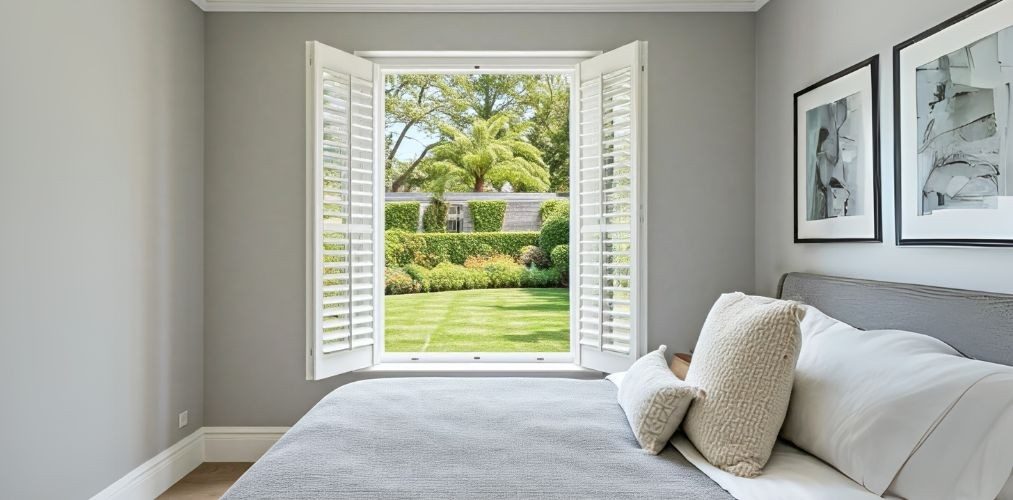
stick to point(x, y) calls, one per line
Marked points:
point(551, 208)
point(561, 262)
point(504, 274)
point(420, 275)
point(475, 279)
point(480, 261)
point(445, 277)
point(434, 217)
point(540, 278)
point(398, 282)
point(401, 247)
point(534, 256)
point(487, 216)
point(555, 231)
point(402, 215)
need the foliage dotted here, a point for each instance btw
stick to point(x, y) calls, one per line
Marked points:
point(446, 276)
point(540, 278)
point(503, 320)
point(434, 217)
point(492, 151)
point(555, 231)
point(415, 105)
point(561, 263)
point(478, 272)
point(551, 208)
point(402, 215)
point(487, 216)
point(480, 261)
point(418, 105)
point(399, 282)
point(401, 247)
point(429, 249)
point(419, 275)
point(561, 259)
point(548, 97)
point(534, 256)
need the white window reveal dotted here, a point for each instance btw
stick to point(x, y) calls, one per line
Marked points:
point(345, 290)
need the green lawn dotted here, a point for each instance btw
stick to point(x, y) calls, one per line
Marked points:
point(502, 320)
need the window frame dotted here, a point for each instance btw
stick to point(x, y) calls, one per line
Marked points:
point(466, 62)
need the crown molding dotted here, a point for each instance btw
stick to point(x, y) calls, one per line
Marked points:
point(500, 6)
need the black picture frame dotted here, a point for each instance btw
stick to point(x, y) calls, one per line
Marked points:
point(877, 236)
point(898, 137)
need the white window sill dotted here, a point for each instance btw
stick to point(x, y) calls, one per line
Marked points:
point(423, 369)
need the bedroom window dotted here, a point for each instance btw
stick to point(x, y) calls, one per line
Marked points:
point(348, 182)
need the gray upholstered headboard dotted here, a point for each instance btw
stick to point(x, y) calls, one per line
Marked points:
point(978, 324)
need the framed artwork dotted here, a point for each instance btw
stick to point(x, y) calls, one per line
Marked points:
point(837, 185)
point(953, 98)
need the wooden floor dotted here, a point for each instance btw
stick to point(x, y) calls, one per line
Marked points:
point(208, 480)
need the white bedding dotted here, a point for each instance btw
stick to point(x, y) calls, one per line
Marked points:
point(791, 474)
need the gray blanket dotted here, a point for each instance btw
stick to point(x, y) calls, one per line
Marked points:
point(469, 438)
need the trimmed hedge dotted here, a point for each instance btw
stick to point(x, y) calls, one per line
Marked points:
point(429, 249)
point(552, 208)
point(487, 216)
point(402, 215)
point(555, 232)
point(434, 218)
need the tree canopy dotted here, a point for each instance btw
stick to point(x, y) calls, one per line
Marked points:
point(492, 153)
point(526, 116)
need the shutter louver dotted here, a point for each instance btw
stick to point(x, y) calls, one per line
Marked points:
point(341, 142)
point(608, 211)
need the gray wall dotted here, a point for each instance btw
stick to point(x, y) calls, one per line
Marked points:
point(700, 188)
point(101, 196)
point(800, 42)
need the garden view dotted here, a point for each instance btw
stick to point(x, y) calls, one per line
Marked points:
point(477, 217)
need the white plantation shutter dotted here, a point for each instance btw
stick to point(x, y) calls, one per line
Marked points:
point(608, 252)
point(342, 229)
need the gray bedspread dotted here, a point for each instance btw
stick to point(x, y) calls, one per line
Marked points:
point(469, 438)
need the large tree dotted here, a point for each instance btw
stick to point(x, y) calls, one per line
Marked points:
point(492, 152)
point(415, 105)
point(548, 98)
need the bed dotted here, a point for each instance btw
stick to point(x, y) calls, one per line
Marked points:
point(557, 438)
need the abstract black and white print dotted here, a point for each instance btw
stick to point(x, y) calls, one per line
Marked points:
point(964, 134)
point(833, 160)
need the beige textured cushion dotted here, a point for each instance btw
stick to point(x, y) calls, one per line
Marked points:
point(654, 400)
point(745, 361)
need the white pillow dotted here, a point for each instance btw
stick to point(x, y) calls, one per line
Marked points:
point(655, 400)
point(969, 454)
point(864, 401)
point(745, 360)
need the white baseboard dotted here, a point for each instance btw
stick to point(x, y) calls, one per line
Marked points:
point(207, 444)
point(153, 477)
point(239, 444)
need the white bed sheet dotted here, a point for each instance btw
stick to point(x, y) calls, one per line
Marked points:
point(789, 475)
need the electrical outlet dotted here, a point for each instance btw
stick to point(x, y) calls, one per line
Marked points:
point(184, 418)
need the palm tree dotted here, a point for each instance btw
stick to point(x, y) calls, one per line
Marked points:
point(495, 152)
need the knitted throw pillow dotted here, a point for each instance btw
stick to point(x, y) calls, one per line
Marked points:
point(745, 361)
point(654, 400)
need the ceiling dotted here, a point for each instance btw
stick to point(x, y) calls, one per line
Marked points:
point(480, 5)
